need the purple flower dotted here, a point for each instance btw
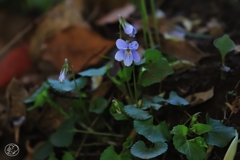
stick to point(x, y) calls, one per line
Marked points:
point(128, 28)
point(127, 52)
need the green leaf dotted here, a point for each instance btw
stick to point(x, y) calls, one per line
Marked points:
point(64, 135)
point(174, 99)
point(136, 113)
point(191, 148)
point(94, 72)
point(224, 44)
point(155, 68)
point(147, 104)
point(154, 133)
point(140, 150)
point(125, 74)
point(33, 97)
point(158, 99)
point(67, 85)
point(110, 153)
point(127, 144)
point(52, 157)
point(220, 135)
point(180, 130)
point(41, 98)
point(98, 105)
point(67, 156)
point(43, 151)
point(117, 111)
point(200, 128)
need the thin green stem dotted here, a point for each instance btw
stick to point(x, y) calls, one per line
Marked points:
point(79, 94)
point(146, 21)
point(120, 31)
point(155, 21)
point(135, 85)
point(98, 133)
point(57, 107)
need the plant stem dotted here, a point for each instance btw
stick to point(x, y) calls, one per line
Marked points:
point(146, 21)
point(135, 85)
point(57, 107)
point(79, 94)
point(155, 22)
point(98, 133)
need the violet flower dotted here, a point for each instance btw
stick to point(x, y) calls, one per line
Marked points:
point(63, 72)
point(127, 52)
point(128, 28)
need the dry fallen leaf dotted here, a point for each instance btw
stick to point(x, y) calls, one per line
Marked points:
point(63, 15)
point(79, 45)
point(182, 50)
point(200, 97)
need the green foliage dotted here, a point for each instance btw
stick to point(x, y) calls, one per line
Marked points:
point(220, 135)
point(200, 128)
point(52, 157)
point(136, 113)
point(117, 111)
point(42, 5)
point(43, 151)
point(63, 137)
point(125, 74)
point(140, 150)
point(173, 99)
point(94, 72)
point(156, 67)
point(192, 148)
point(67, 156)
point(67, 85)
point(224, 44)
point(147, 104)
point(158, 133)
point(109, 153)
point(33, 97)
point(98, 105)
point(127, 144)
point(41, 98)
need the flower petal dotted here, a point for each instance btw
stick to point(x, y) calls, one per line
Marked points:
point(133, 45)
point(136, 56)
point(121, 44)
point(128, 59)
point(119, 56)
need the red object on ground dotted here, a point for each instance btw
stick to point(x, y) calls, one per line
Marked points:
point(14, 64)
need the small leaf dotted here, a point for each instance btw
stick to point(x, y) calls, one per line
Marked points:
point(140, 150)
point(125, 74)
point(110, 153)
point(191, 148)
point(67, 85)
point(158, 133)
point(136, 113)
point(220, 135)
point(67, 156)
point(127, 144)
point(94, 72)
point(43, 151)
point(98, 105)
point(147, 104)
point(40, 99)
point(180, 130)
point(33, 97)
point(231, 152)
point(174, 99)
point(64, 135)
point(52, 157)
point(200, 128)
point(155, 68)
point(224, 44)
point(158, 99)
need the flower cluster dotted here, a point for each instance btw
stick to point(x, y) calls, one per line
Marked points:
point(127, 50)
